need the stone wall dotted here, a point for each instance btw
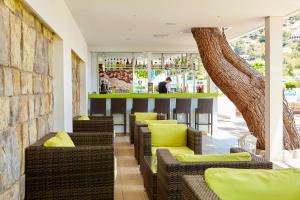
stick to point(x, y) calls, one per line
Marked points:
point(76, 63)
point(26, 94)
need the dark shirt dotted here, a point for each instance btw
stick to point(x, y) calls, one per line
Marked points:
point(162, 87)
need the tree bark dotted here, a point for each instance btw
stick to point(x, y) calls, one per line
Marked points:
point(242, 84)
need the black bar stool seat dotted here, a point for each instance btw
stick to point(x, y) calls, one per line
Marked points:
point(162, 106)
point(183, 106)
point(98, 106)
point(205, 106)
point(118, 106)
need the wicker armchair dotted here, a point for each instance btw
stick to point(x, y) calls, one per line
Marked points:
point(136, 137)
point(195, 188)
point(194, 142)
point(170, 171)
point(132, 121)
point(98, 124)
point(85, 171)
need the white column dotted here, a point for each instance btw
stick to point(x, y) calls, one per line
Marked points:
point(273, 90)
point(58, 82)
point(149, 59)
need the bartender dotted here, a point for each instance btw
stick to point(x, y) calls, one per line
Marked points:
point(162, 86)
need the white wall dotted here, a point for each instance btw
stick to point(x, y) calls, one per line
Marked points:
point(58, 17)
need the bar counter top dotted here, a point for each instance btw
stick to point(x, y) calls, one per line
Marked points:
point(154, 95)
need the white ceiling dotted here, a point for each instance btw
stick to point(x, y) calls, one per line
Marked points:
point(130, 25)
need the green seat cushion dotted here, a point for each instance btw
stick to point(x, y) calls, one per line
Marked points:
point(173, 150)
point(83, 117)
point(168, 135)
point(243, 156)
point(142, 116)
point(61, 139)
point(250, 184)
point(160, 122)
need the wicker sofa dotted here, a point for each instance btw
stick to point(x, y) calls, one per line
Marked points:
point(195, 188)
point(85, 171)
point(136, 138)
point(96, 123)
point(194, 142)
point(170, 171)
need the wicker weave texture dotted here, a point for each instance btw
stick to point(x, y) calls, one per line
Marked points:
point(98, 124)
point(85, 171)
point(170, 171)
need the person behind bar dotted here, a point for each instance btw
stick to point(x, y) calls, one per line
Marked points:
point(162, 86)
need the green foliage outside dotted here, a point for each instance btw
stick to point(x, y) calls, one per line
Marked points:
point(252, 46)
point(141, 73)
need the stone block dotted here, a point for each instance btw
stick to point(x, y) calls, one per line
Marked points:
point(22, 187)
point(9, 159)
point(37, 105)
point(15, 36)
point(25, 144)
point(11, 4)
point(13, 193)
point(37, 84)
point(43, 105)
point(31, 107)
point(29, 39)
point(14, 109)
point(45, 84)
point(4, 112)
point(50, 122)
point(28, 17)
point(8, 82)
point(42, 125)
point(50, 56)
point(1, 82)
point(16, 81)
point(41, 55)
point(50, 85)
point(26, 83)
point(32, 131)
point(4, 36)
point(23, 114)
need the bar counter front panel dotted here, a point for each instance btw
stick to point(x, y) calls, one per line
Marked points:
point(151, 99)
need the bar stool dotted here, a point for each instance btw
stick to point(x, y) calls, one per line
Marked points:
point(205, 106)
point(139, 105)
point(183, 106)
point(98, 106)
point(162, 106)
point(118, 106)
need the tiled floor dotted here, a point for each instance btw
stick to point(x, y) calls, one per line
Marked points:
point(129, 183)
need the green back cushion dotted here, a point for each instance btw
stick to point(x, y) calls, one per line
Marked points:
point(243, 156)
point(83, 117)
point(160, 122)
point(61, 139)
point(168, 135)
point(250, 184)
point(142, 116)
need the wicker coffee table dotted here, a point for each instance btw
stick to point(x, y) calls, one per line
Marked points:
point(150, 177)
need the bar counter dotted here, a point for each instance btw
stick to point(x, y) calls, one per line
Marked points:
point(151, 99)
point(155, 95)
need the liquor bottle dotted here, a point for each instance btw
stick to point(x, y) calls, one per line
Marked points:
point(127, 63)
point(114, 63)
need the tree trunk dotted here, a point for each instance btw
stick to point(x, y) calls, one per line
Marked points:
point(242, 84)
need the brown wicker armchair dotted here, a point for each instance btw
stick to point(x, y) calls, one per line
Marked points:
point(170, 171)
point(194, 142)
point(136, 133)
point(132, 121)
point(98, 124)
point(85, 171)
point(195, 188)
